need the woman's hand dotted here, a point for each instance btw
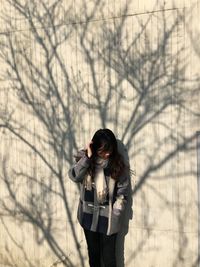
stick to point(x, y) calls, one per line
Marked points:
point(89, 150)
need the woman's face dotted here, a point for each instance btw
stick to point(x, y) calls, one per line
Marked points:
point(103, 153)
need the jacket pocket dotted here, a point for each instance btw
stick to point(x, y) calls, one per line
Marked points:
point(116, 219)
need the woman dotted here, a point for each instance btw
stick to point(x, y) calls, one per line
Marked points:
point(104, 179)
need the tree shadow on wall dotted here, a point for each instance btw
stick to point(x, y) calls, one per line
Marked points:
point(117, 72)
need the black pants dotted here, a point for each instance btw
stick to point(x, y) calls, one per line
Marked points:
point(101, 246)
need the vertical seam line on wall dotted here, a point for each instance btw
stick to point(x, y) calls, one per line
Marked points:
point(198, 194)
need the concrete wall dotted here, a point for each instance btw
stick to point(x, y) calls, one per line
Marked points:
point(69, 68)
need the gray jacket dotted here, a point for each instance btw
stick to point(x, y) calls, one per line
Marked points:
point(105, 218)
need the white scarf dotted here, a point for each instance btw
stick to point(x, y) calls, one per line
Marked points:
point(99, 180)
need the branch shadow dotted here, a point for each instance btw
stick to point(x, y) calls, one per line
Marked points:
point(125, 80)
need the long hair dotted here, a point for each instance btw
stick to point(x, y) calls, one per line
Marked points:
point(105, 140)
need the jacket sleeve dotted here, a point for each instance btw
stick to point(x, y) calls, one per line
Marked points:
point(78, 170)
point(122, 192)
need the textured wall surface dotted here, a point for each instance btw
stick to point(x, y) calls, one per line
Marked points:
point(69, 68)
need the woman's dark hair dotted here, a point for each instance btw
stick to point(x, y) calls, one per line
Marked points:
point(105, 140)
